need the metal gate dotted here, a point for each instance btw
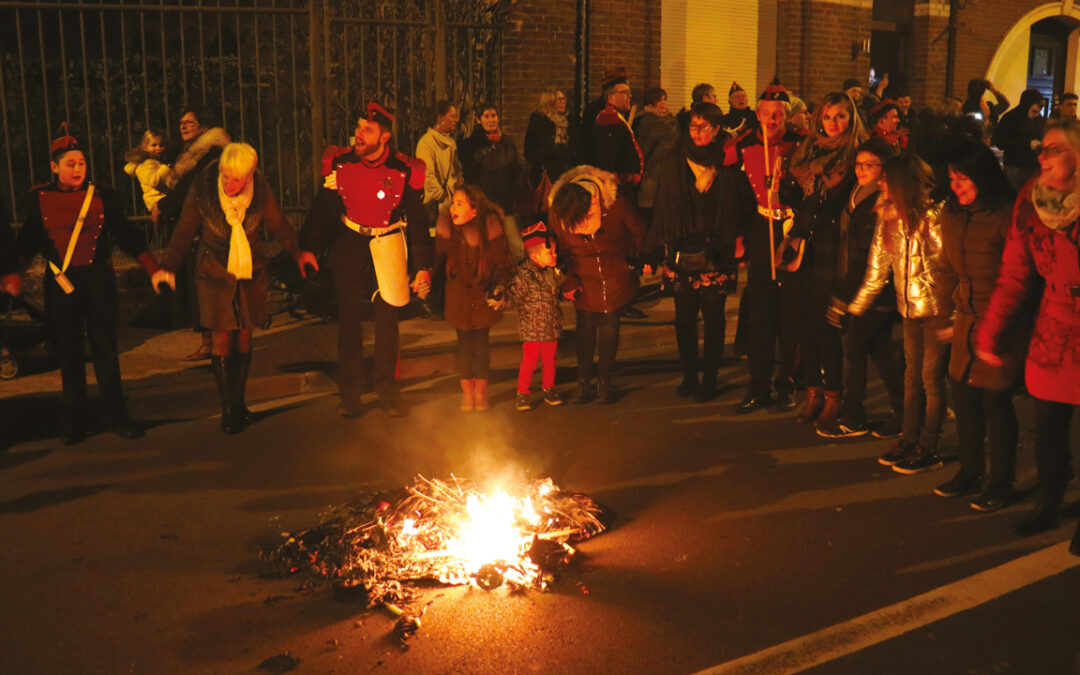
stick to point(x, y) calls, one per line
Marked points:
point(409, 54)
point(287, 76)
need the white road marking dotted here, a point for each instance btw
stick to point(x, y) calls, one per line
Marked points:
point(889, 622)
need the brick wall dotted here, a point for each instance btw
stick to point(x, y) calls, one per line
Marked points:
point(814, 47)
point(928, 59)
point(980, 29)
point(539, 49)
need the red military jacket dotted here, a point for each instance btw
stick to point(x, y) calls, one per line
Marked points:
point(747, 151)
point(50, 220)
point(372, 195)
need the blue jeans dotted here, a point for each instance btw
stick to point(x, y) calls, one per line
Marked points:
point(926, 359)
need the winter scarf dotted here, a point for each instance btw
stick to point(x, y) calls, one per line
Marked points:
point(1057, 209)
point(562, 124)
point(235, 208)
point(824, 161)
point(674, 193)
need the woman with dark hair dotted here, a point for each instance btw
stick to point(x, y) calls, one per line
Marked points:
point(824, 166)
point(597, 232)
point(552, 143)
point(869, 335)
point(490, 159)
point(908, 247)
point(1041, 256)
point(471, 248)
point(202, 146)
point(699, 206)
point(974, 225)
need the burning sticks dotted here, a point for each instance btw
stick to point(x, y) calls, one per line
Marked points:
point(377, 550)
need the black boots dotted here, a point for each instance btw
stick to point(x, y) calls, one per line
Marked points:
point(231, 375)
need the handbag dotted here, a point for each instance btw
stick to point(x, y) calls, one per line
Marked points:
point(694, 256)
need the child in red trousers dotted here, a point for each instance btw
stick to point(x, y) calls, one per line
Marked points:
point(534, 291)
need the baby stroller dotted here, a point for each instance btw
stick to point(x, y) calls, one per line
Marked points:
point(313, 295)
point(22, 327)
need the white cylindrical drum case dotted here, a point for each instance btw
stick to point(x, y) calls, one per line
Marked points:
point(391, 258)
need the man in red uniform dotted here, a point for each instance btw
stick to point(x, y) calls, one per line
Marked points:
point(71, 221)
point(763, 290)
point(370, 216)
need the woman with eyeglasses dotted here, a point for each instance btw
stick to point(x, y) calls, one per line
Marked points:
point(1042, 254)
point(552, 144)
point(908, 248)
point(868, 336)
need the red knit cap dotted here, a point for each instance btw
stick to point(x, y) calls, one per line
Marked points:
point(536, 235)
point(775, 91)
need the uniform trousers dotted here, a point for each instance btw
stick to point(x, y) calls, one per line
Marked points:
point(354, 281)
point(88, 314)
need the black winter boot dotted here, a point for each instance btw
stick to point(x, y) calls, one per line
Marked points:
point(222, 365)
point(239, 368)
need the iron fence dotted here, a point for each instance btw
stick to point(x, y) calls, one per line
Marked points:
point(287, 76)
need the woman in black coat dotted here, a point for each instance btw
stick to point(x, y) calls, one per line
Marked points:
point(552, 143)
point(490, 159)
point(699, 205)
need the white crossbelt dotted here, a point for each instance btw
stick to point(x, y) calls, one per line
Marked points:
point(371, 231)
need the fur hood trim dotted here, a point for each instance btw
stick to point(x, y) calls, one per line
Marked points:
point(604, 181)
point(211, 138)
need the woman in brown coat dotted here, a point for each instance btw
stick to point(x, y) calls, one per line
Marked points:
point(229, 205)
point(598, 232)
point(471, 246)
point(974, 228)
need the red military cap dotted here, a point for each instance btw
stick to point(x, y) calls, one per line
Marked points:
point(735, 86)
point(65, 142)
point(775, 91)
point(614, 76)
point(382, 115)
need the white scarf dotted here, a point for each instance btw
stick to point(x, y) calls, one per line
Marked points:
point(235, 209)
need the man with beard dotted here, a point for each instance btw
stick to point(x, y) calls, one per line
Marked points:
point(370, 215)
point(774, 194)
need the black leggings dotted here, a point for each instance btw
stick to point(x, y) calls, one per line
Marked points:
point(871, 336)
point(710, 302)
point(596, 333)
point(1053, 456)
point(976, 411)
point(473, 356)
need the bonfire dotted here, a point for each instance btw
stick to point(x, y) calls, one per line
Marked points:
point(380, 549)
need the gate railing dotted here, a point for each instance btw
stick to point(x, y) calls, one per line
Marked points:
point(286, 76)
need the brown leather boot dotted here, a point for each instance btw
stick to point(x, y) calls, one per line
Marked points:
point(833, 404)
point(468, 395)
point(480, 389)
point(815, 401)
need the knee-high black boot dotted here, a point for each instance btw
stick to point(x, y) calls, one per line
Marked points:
point(222, 365)
point(239, 368)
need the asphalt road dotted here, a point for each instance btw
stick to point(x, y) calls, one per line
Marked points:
point(734, 536)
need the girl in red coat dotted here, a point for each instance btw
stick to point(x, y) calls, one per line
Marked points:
point(1042, 252)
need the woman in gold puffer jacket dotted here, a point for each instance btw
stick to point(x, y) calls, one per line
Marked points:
point(908, 245)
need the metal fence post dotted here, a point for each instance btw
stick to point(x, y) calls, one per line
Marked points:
point(317, 60)
point(440, 49)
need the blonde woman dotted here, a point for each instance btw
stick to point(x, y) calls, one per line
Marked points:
point(552, 141)
point(230, 204)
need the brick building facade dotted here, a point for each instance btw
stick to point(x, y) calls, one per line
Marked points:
point(818, 44)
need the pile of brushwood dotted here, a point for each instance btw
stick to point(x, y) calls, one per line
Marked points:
point(380, 548)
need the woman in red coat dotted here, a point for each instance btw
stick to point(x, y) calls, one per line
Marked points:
point(1042, 253)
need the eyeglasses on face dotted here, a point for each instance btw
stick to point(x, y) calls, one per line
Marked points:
point(700, 128)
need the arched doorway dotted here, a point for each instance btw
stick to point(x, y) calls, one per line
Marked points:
point(1040, 52)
